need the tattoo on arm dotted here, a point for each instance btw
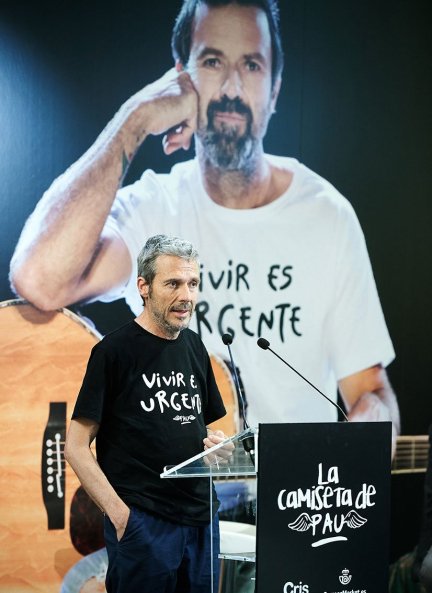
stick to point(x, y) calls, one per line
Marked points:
point(125, 164)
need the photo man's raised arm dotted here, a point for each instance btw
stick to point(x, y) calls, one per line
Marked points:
point(63, 256)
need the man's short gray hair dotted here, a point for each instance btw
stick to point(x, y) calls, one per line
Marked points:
point(162, 245)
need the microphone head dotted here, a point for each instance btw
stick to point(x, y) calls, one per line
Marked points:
point(263, 343)
point(227, 339)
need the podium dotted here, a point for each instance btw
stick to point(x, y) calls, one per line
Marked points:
point(323, 503)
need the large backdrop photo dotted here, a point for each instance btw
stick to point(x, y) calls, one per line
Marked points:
point(354, 106)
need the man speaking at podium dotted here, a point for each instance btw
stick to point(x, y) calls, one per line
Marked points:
point(282, 252)
point(147, 396)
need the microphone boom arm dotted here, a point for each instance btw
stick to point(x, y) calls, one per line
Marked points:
point(265, 345)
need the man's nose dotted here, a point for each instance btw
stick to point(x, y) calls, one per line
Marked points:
point(232, 84)
point(185, 293)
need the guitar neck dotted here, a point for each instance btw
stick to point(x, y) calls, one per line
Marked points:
point(411, 455)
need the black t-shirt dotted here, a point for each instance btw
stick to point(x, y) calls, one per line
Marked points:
point(153, 399)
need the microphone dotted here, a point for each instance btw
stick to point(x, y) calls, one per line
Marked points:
point(227, 340)
point(248, 442)
point(265, 345)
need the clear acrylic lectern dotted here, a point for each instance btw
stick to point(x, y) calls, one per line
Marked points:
point(213, 465)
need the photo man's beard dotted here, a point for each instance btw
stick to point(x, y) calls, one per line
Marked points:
point(225, 147)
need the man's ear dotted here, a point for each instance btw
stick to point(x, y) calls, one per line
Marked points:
point(275, 93)
point(143, 287)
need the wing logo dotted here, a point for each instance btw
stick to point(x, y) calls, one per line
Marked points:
point(305, 521)
point(184, 419)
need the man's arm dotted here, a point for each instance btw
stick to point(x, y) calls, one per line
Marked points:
point(80, 457)
point(369, 396)
point(62, 256)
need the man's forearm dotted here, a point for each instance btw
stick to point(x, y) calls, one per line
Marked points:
point(97, 486)
point(61, 238)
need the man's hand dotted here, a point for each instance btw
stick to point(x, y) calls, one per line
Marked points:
point(168, 106)
point(120, 521)
point(370, 408)
point(369, 397)
point(221, 455)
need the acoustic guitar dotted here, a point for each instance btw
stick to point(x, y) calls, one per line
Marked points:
point(43, 357)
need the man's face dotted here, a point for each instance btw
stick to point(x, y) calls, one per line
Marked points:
point(172, 296)
point(230, 65)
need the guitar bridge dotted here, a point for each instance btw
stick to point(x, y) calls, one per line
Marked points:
point(53, 466)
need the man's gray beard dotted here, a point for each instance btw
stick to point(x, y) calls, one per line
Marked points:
point(225, 150)
point(164, 324)
point(162, 321)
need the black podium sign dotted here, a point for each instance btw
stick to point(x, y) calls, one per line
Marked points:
point(323, 508)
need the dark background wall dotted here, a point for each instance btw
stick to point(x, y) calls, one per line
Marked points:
point(355, 107)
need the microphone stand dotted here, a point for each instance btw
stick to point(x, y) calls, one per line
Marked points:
point(248, 442)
